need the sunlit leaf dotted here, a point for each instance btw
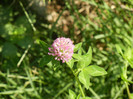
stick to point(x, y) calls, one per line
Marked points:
point(72, 95)
point(119, 49)
point(129, 56)
point(70, 63)
point(84, 78)
point(77, 56)
point(88, 56)
point(77, 46)
point(84, 60)
point(95, 70)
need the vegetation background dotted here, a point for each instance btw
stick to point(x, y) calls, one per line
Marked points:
point(100, 24)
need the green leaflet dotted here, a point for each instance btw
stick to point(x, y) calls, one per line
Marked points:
point(72, 95)
point(84, 78)
point(83, 60)
point(94, 70)
point(44, 45)
point(70, 63)
point(45, 60)
point(77, 46)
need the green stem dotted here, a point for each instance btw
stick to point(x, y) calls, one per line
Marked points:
point(82, 92)
point(122, 88)
point(128, 91)
point(93, 92)
point(28, 17)
point(81, 89)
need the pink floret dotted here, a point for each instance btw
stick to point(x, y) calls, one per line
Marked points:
point(62, 48)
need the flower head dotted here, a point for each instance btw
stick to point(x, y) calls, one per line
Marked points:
point(62, 48)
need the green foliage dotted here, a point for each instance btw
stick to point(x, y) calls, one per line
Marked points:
point(107, 28)
point(83, 69)
point(9, 50)
point(45, 60)
point(44, 46)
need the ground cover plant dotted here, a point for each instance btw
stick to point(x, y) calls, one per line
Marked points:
point(98, 63)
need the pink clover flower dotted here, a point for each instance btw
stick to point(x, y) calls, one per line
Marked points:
point(62, 48)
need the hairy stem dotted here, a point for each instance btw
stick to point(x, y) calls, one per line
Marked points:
point(80, 87)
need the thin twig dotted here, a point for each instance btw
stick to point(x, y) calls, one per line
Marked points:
point(12, 3)
point(65, 88)
point(34, 29)
point(23, 56)
point(125, 7)
point(31, 23)
point(94, 93)
point(30, 4)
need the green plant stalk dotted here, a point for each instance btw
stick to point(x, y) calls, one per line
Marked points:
point(93, 92)
point(81, 89)
point(122, 88)
point(61, 91)
point(28, 17)
point(128, 91)
point(82, 92)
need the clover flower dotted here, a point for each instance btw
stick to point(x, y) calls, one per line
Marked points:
point(62, 48)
